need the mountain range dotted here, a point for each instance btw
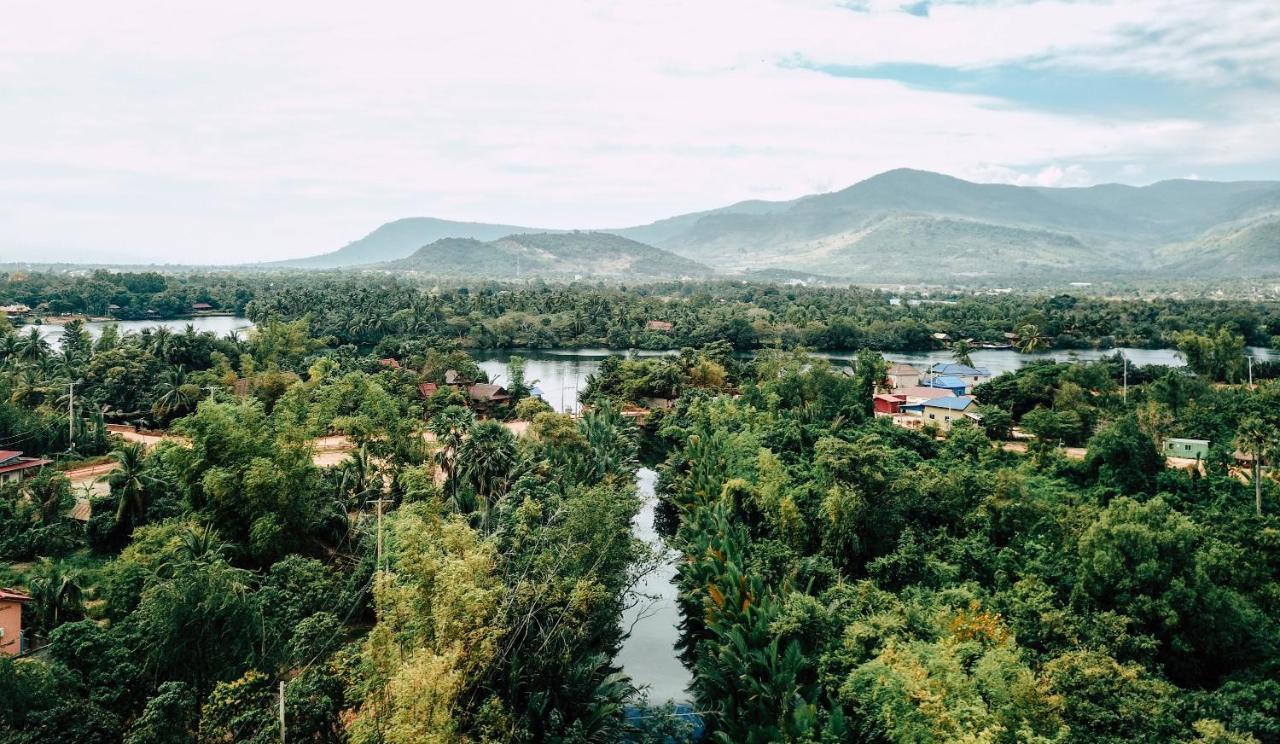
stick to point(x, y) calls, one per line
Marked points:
point(902, 226)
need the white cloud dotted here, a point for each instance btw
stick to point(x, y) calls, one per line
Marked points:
point(242, 131)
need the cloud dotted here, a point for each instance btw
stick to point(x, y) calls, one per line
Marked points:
point(239, 131)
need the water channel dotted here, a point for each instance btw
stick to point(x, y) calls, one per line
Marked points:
point(649, 655)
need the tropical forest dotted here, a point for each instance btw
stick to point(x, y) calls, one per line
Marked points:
point(263, 505)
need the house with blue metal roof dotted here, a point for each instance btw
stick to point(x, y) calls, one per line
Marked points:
point(943, 412)
point(955, 385)
point(971, 375)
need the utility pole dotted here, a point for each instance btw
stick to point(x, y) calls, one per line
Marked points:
point(1250, 358)
point(282, 734)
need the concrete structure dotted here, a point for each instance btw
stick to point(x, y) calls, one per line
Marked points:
point(886, 404)
point(921, 393)
point(11, 640)
point(1191, 449)
point(14, 467)
point(902, 376)
point(969, 375)
point(943, 412)
point(956, 385)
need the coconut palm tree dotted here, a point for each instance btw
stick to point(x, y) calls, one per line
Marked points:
point(487, 459)
point(33, 347)
point(1030, 339)
point(174, 394)
point(1253, 438)
point(960, 351)
point(56, 594)
point(131, 483)
point(450, 427)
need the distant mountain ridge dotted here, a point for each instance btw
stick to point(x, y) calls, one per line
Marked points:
point(907, 226)
point(401, 238)
point(568, 254)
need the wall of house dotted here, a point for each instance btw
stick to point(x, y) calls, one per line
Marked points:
point(11, 626)
point(941, 417)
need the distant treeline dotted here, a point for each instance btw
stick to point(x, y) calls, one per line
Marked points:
point(371, 310)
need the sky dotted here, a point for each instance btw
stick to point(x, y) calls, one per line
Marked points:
point(247, 131)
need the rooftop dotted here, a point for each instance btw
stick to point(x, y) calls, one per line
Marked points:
point(955, 368)
point(920, 391)
point(13, 595)
point(954, 403)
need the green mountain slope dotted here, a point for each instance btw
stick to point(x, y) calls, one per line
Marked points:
point(547, 254)
point(900, 226)
point(401, 238)
point(942, 249)
point(948, 227)
point(1245, 250)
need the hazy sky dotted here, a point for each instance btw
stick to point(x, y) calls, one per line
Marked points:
point(240, 131)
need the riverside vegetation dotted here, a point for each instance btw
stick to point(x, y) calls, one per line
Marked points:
point(842, 579)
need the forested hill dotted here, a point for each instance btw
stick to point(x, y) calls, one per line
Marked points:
point(401, 238)
point(907, 226)
point(547, 254)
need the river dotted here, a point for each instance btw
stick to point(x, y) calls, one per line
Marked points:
point(649, 654)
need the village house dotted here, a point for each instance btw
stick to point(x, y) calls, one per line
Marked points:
point(484, 395)
point(14, 311)
point(944, 412)
point(658, 325)
point(956, 385)
point(198, 307)
point(11, 641)
point(888, 404)
point(14, 467)
point(921, 393)
point(1191, 449)
point(970, 375)
point(902, 376)
point(427, 389)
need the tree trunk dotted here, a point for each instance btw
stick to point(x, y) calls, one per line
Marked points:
point(1257, 486)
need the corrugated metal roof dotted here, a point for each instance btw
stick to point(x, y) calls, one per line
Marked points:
point(954, 403)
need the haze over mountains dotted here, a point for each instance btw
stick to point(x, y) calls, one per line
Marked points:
point(899, 226)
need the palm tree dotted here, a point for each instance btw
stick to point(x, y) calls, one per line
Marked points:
point(1253, 438)
point(1030, 339)
point(56, 594)
point(10, 348)
point(174, 394)
point(201, 543)
point(33, 346)
point(960, 351)
point(130, 482)
point(450, 427)
point(160, 342)
point(487, 459)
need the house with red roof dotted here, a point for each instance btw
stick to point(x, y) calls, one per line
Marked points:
point(14, 467)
